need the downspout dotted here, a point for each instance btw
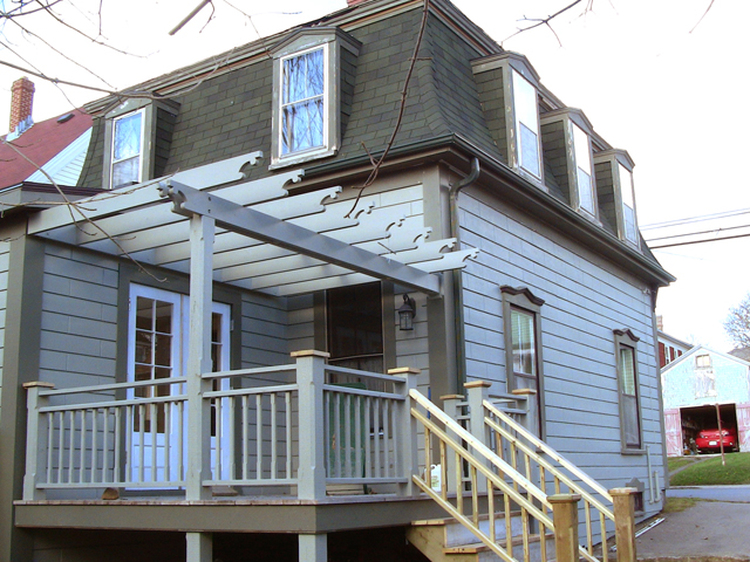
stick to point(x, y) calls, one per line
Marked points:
point(458, 302)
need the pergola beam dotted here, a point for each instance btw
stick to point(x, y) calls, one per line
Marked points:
point(265, 228)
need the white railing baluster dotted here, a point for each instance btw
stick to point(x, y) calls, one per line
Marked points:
point(245, 450)
point(274, 437)
point(258, 436)
point(288, 435)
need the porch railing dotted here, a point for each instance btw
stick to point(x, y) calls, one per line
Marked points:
point(270, 427)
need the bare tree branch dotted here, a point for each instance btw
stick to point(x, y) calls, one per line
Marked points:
point(402, 107)
point(710, 4)
point(190, 16)
point(538, 22)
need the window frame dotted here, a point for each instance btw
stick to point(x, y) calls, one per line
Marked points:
point(519, 84)
point(619, 161)
point(332, 41)
point(626, 339)
point(523, 300)
point(140, 155)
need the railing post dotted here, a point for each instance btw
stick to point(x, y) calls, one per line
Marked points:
point(451, 406)
point(35, 446)
point(202, 231)
point(476, 393)
point(623, 500)
point(408, 448)
point(311, 475)
point(565, 517)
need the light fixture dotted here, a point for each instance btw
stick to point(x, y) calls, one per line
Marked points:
point(406, 314)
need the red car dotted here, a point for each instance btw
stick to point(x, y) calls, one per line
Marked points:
point(709, 440)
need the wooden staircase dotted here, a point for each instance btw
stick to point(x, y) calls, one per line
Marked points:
point(508, 495)
point(447, 540)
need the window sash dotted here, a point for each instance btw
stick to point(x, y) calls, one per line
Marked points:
point(630, 419)
point(524, 342)
point(127, 149)
point(582, 152)
point(527, 124)
point(627, 200)
point(303, 101)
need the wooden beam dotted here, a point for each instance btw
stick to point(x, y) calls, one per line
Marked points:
point(231, 216)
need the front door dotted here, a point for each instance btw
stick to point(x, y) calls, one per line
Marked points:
point(157, 349)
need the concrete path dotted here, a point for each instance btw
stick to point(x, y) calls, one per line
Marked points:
point(711, 530)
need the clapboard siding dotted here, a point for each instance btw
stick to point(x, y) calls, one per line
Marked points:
point(264, 331)
point(79, 313)
point(585, 298)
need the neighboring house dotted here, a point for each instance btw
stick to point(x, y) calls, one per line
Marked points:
point(498, 246)
point(37, 157)
point(693, 386)
point(670, 348)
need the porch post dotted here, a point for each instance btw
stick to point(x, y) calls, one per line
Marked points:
point(408, 447)
point(623, 501)
point(311, 475)
point(35, 445)
point(452, 408)
point(476, 393)
point(565, 517)
point(199, 357)
point(313, 548)
point(199, 547)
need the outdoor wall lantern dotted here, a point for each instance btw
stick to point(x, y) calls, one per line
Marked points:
point(406, 313)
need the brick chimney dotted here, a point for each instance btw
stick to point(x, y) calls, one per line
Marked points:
point(21, 102)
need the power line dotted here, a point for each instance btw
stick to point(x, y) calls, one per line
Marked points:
point(700, 218)
point(672, 245)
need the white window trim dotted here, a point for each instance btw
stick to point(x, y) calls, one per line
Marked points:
point(279, 116)
point(141, 155)
point(584, 162)
point(518, 83)
point(334, 42)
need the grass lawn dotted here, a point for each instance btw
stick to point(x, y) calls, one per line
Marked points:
point(673, 463)
point(711, 472)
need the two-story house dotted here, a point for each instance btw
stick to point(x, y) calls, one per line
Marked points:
point(150, 407)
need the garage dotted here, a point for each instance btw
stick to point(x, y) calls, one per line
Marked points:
point(699, 418)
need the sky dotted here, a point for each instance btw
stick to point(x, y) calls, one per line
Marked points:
point(663, 80)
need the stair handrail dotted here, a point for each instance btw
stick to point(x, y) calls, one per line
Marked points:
point(551, 453)
point(487, 455)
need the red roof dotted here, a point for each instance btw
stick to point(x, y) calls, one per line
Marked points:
point(39, 144)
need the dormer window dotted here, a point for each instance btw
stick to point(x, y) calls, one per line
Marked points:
point(303, 97)
point(614, 176)
point(527, 125)
point(584, 171)
point(312, 81)
point(508, 88)
point(138, 135)
point(127, 149)
point(566, 137)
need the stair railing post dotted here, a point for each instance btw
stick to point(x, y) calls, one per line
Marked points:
point(452, 407)
point(477, 392)
point(565, 517)
point(311, 474)
point(35, 445)
point(408, 443)
point(623, 501)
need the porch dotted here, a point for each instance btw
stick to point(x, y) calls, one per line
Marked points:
point(310, 449)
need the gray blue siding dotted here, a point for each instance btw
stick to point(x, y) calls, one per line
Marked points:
point(586, 298)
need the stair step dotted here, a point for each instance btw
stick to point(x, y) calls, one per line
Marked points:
point(480, 552)
point(450, 532)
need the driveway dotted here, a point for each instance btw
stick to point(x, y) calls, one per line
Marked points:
point(710, 529)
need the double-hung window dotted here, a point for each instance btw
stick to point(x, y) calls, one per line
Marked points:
point(527, 125)
point(127, 149)
point(584, 175)
point(631, 432)
point(629, 229)
point(523, 350)
point(313, 82)
point(303, 102)
point(137, 140)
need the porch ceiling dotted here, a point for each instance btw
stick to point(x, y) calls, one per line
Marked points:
point(266, 240)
